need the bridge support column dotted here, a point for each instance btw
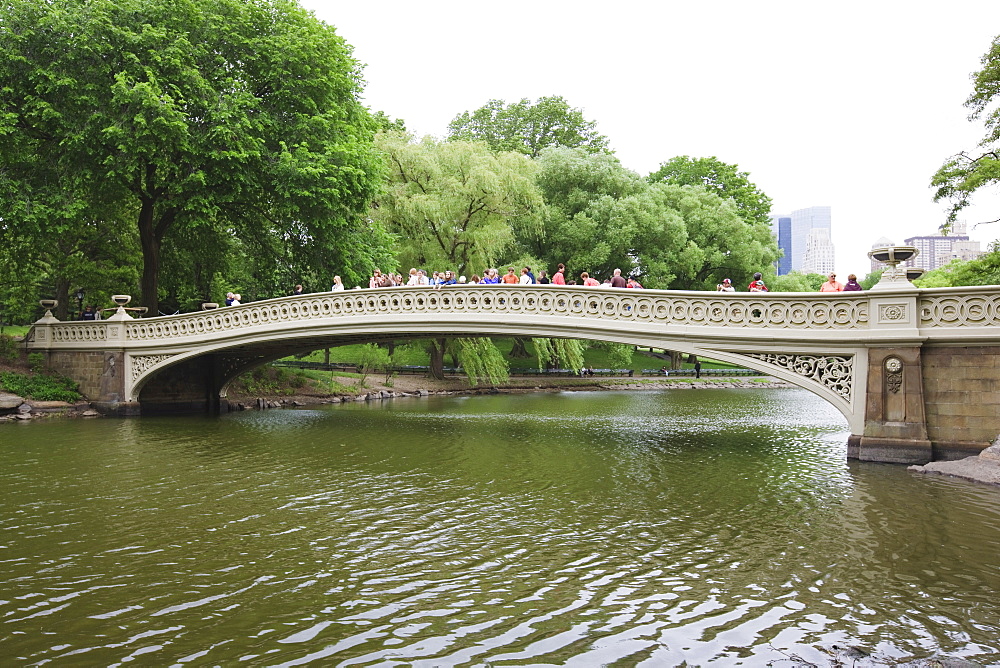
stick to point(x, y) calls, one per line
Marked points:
point(895, 425)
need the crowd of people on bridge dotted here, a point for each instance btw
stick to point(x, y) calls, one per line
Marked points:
point(490, 276)
point(525, 276)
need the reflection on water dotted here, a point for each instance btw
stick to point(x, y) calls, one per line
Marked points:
point(713, 527)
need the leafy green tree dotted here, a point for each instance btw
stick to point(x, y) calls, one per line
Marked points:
point(967, 172)
point(723, 179)
point(240, 115)
point(597, 210)
point(719, 244)
point(794, 281)
point(601, 217)
point(528, 128)
point(456, 204)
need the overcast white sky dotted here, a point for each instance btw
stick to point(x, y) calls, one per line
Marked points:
point(852, 104)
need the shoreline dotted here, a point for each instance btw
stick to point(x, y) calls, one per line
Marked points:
point(403, 387)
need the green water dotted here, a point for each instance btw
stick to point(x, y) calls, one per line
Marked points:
point(713, 527)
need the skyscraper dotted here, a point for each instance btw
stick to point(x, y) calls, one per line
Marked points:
point(815, 255)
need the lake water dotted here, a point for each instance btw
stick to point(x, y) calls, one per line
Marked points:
point(684, 527)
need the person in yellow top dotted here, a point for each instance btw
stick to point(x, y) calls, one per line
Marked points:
point(832, 285)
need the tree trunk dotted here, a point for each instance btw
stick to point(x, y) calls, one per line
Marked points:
point(519, 349)
point(149, 283)
point(676, 359)
point(62, 294)
point(437, 347)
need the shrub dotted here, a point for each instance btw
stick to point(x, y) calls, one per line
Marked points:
point(8, 348)
point(37, 362)
point(40, 387)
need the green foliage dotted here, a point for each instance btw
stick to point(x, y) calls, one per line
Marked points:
point(602, 216)
point(384, 123)
point(40, 387)
point(594, 208)
point(723, 179)
point(398, 356)
point(559, 353)
point(963, 174)
point(870, 280)
point(984, 270)
point(36, 362)
point(455, 204)
point(370, 358)
point(528, 128)
point(8, 348)
point(480, 360)
point(619, 354)
point(157, 116)
point(271, 381)
point(793, 281)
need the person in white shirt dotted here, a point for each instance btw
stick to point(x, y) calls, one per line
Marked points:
point(337, 284)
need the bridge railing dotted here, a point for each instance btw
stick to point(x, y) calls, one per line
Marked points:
point(817, 312)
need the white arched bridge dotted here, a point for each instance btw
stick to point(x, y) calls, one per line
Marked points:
point(916, 373)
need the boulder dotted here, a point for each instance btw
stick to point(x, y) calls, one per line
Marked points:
point(992, 452)
point(9, 401)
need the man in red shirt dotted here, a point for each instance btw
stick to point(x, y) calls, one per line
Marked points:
point(511, 277)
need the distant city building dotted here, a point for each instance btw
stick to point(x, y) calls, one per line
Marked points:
point(819, 253)
point(804, 252)
point(782, 226)
point(937, 250)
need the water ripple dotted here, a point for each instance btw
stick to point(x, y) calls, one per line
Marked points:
point(573, 530)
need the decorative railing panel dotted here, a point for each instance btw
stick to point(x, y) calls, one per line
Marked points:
point(75, 332)
point(639, 306)
point(951, 310)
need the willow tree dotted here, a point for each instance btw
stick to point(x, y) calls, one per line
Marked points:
point(241, 115)
point(455, 205)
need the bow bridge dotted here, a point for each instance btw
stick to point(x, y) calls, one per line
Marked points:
point(916, 373)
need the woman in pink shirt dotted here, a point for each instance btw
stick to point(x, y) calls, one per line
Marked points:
point(587, 280)
point(559, 277)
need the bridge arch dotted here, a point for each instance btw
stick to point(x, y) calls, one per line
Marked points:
point(828, 373)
